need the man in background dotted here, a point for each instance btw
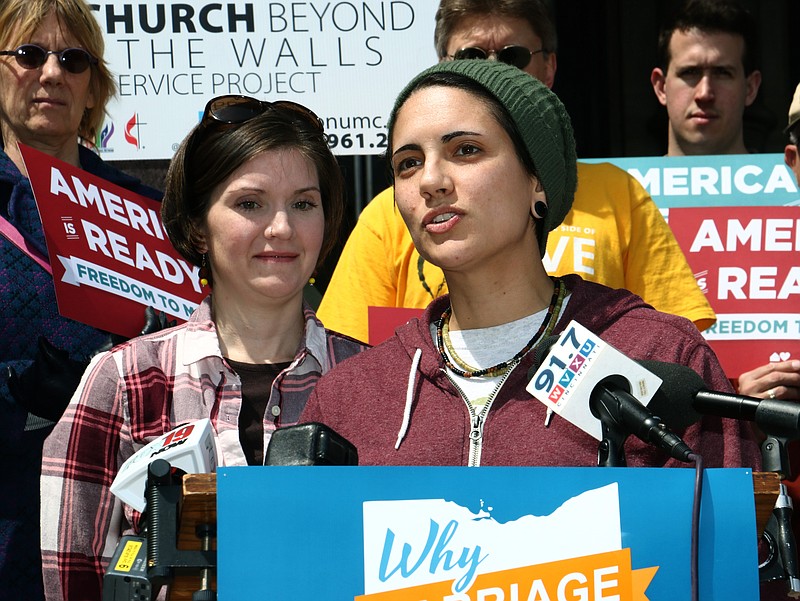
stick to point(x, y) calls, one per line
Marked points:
point(707, 76)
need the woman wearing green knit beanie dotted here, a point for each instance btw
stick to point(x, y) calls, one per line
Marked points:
point(484, 166)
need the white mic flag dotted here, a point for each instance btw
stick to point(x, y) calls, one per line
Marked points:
point(576, 363)
point(189, 447)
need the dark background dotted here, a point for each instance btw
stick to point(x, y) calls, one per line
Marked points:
point(607, 50)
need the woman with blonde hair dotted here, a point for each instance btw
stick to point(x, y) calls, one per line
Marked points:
point(54, 86)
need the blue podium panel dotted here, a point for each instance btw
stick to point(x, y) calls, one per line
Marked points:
point(486, 534)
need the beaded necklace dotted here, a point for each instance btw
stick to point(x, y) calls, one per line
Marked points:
point(421, 275)
point(465, 371)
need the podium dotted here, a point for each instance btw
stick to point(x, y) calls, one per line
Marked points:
point(262, 497)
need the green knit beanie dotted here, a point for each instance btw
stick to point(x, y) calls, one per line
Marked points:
point(540, 118)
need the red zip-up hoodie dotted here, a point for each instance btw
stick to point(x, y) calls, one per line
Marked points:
point(397, 405)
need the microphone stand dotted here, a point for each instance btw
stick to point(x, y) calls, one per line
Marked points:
point(610, 451)
point(164, 559)
point(782, 561)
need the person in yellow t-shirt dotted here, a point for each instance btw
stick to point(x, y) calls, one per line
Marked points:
point(614, 235)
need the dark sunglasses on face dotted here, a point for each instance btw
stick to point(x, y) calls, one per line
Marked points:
point(31, 56)
point(235, 110)
point(517, 56)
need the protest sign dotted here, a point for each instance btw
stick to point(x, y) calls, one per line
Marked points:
point(737, 220)
point(745, 260)
point(109, 252)
point(425, 533)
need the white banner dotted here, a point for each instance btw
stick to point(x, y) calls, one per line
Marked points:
point(346, 61)
point(763, 326)
point(80, 272)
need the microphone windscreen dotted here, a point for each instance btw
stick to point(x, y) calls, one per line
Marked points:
point(673, 401)
point(309, 444)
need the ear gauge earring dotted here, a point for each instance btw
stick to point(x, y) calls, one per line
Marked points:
point(540, 209)
point(204, 271)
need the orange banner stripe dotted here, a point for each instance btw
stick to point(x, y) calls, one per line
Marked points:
point(601, 575)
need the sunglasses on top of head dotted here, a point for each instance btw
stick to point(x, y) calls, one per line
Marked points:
point(516, 56)
point(235, 110)
point(31, 56)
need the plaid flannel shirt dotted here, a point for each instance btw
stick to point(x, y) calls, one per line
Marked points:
point(128, 397)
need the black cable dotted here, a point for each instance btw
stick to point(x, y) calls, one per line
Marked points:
point(698, 495)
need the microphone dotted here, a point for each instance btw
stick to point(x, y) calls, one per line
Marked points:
point(775, 417)
point(623, 396)
point(140, 565)
point(778, 418)
point(673, 400)
point(189, 447)
point(611, 400)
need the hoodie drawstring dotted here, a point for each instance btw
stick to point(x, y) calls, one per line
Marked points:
point(412, 379)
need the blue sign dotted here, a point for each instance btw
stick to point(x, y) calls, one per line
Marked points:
point(458, 534)
point(713, 181)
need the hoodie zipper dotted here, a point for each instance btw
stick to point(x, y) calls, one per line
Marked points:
point(478, 420)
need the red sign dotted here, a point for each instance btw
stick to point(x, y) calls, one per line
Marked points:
point(746, 261)
point(108, 249)
point(383, 321)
